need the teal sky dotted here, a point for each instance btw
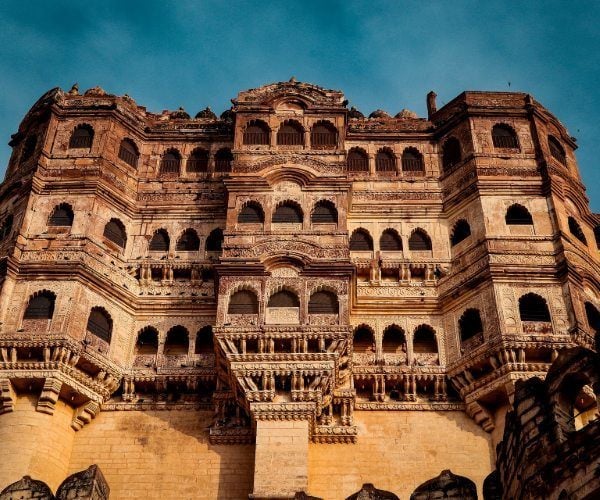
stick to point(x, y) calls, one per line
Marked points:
point(388, 55)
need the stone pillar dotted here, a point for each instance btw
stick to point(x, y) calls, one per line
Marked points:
point(281, 459)
point(35, 443)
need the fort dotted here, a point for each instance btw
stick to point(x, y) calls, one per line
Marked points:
point(296, 299)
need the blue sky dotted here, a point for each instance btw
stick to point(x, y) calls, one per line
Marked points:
point(388, 55)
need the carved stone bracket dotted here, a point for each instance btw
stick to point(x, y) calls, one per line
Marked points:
point(481, 416)
point(49, 397)
point(84, 414)
point(7, 396)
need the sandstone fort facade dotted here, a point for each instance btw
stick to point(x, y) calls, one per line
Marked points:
point(296, 297)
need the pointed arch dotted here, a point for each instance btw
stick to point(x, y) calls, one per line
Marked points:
point(40, 305)
point(363, 339)
point(100, 324)
point(160, 241)
point(198, 161)
point(504, 136)
point(424, 340)
point(214, 241)
point(470, 324)
point(460, 232)
point(243, 301)
point(385, 161)
point(518, 215)
point(115, 231)
point(324, 212)
point(61, 216)
point(323, 135)
point(170, 162)
point(257, 132)
point(284, 298)
point(533, 307)
point(177, 341)
point(82, 137)
point(205, 343)
point(394, 340)
point(323, 302)
point(188, 241)
point(147, 341)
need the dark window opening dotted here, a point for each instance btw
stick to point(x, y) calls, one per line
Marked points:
point(284, 298)
point(177, 341)
point(61, 216)
point(251, 213)
point(41, 306)
point(361, 241)
point(100, 324)
point(324, 213)
point(82, 137)
point(424, 340)
point(204, 341)
point(385, 162)
point(223, 159)
point(576, 230)
point(556, 150)
point(451, 153)
point(518, 215)
point(394, 340)
point(257, 133)
point(323, 302)
point(170, 162)
point(390, 241)
point(160, 241)
point(358, 161)
point(188, 241)
point(419, 241)
point(243, 302)
point(323, 136)
point(470, 324)
point(364, 340)
point(198, 161)
point(461, 231)
point(532, 307)
point(290, 133)
point(115, 232)
point(128, 152)
point(504, 136)
point(412, 162)
point(289, 213)
point(147, 341)
point(214, 242)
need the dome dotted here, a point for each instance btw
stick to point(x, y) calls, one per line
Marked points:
point(206, 113)
point(39, 488)
point(355, 113)
point(406, 113)
point(180, 114)
point(227, 115)
point(379, 113)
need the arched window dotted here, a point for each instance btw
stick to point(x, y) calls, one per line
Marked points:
point(128, 152)
point(204, 341)
point(385, 161)
point(147, 341)
point(451, 153)
point(394, 340)
point(361, 241)
point(197, 161)
point(358, 160)
point(243, 302)
point(28, 147)
point(575, 230)
point(364, 340)
point(390, 241)
point(460, 231)
point(288, 212)
point(115, 232)
point(412, 162)
point(518, 215)
point(100, 324)
point(61, 216)
point(251, 213)
point(177, 342)
point(40, 306)
point(324, 212)
point(323, 302)
point(170, 162)
point(82, 137)
point(470, 324)
point(419, 240)
point(532, 307)
point(290, 133)
point(188, 241)
point(223, 159)
point(257, 132)
point(597, 236)
point(593, 317)
point(424, 340)
point(556, 150)
point(323, 136)
point(6, 227)
point(214, 242)
point(160, 241)
point(504, 137)
point(283, 298)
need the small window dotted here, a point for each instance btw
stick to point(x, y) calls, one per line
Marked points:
point(576, 230)
point(361, 241)
point(41, 306)
point(223, 159)
point(451, 153)
point(288, 213)
point(597, 236)
point(243, 302)
point(214, 242)
point(390, 241)
point(470, 324)
point(100, 324)
point(364, 340)
point(358, 160)
point(593, 317)
point(460, 232)
point(204, 341)
point(147, 341)
point(424, 340)
point(128, 152)
point(532, 307)
point(323, 302)
point(82, 137)
point(28, 147)
point(394, 340)
point(160, 241)
point(198, 161)
point(177, 342)
point(170, 162)
point(115, 232)
point(419, 241)
point(324, 213)
point(518, 215)
point(284, 298)
point(412, 162)
point(188, 241)
point(62, 216)
point(251, 213)
point(385, 162)
point(504, 137)
point(257, 133)
point(6, 227)
point(290, 133)
point(323, 136)
point(556, 150)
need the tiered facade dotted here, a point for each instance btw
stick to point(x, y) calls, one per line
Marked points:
point(283, 285)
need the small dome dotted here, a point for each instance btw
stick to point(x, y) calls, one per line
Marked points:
point(406, 113)
point(379, 113)
point(180, 114)
point(227, 115)
point(39, 488)
point(95, 92)
point(355, 113)
point(206, 113)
